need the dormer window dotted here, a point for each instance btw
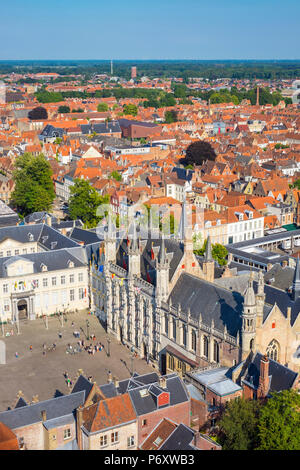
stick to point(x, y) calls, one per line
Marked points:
point(70, 264)
point(250, 214)
point(30, 237)
point(207, 224)
point(53, 245)
point(44, 267)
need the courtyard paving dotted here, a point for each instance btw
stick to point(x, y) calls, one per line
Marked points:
point(36, 374)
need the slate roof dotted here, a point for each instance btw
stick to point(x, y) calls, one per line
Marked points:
point(281, 377)
point(213, 302)
point(136, 381)
point(48, 237)
point(83, 385)
point(180, 439)
point(101, 128)
point(86, 236)
point(55, 408)
point(21, 402)
point(54, 260)
point(147, 404)
point(50, 131)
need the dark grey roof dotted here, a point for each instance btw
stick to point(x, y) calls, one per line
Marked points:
point(281, 377)
point(180, 439)
point(136, 381)
point(54, 260)
point(55, 408)
point(148, 403)
point(183, 174)
point(127, 123)
point(51, 131)
point(45, 235)
point(101, 128)
point(211, 301)
point(82, 385)
point(86, 236)
point(21, 402)
point(109, 390)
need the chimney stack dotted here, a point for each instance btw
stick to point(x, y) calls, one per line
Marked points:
point(116, 382)
point(264, 382)
point(162, 382)
point(109, 377)
point(44, 415)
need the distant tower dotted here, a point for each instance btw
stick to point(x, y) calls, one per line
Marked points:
point(248, 320)
point(111, 68)
point(2, 93)
point(257, 96)
point(133, 72)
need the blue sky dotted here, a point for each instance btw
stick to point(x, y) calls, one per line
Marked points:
point(158, 29)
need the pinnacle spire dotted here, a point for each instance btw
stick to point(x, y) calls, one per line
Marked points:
point(208, 251)
point(296, 281)
point(134, 246)
point(162, 258)
point(183, 224)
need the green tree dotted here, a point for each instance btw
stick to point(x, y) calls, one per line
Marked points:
point(116, 176)
point(84, 202)
point(102, 107)
point(296, 184)
point(279, 422)
point(170, 116)
point(130, 109)
point(239, 425)
point(63, 109)
point(34, 190)
point(219, 252)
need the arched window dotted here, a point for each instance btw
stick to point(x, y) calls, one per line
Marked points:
point(184, 335)
point(166, 324)
point(174, 328)
point(216, 351)
point(273, 350)
point(205, 346)
point(194, 340)
point(252, 344)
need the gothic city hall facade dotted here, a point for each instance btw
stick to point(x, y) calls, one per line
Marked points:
point(181, 311)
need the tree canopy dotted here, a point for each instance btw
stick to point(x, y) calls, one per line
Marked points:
point(198, 152)
point(219, 252)
point(130, 109)
point(38, 113)
point(170, 116)
point(239, 425)
point(63, 109)
point(84, 202)
point(102, 107)
point(34, 190)
point(279, 422)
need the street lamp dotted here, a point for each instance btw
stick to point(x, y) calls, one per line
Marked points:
point(87, 330)
point(108, 347)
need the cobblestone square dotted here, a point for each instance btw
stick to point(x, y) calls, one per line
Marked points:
point(36, 374)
